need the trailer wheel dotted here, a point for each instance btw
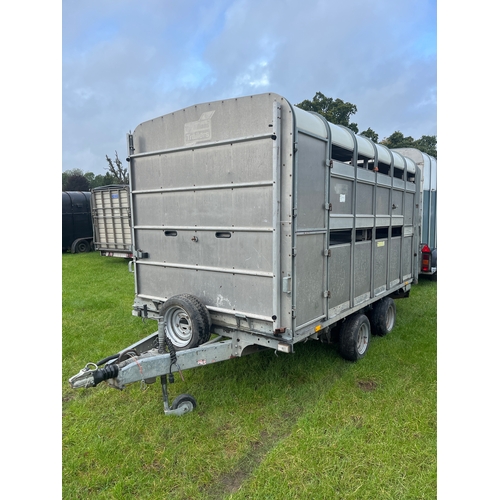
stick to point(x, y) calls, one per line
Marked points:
point(354, 337)
point(185, 324)
point(184, 401)
point(383, 317)
point(205, 315)
point(80, 246)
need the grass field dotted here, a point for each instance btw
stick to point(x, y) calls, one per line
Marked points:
point(308, 425)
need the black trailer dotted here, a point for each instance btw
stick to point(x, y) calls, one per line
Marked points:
point(77, 233)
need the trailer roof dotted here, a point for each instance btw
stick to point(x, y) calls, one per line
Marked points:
point(344, 138)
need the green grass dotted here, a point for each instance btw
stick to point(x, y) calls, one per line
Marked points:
point(305, 425)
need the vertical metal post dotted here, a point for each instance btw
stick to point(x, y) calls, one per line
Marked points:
point(374, 228)
point(389, 236)
point(405, 179)
point(354, 162)
point(277, 214)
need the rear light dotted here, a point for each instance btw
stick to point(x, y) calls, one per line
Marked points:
point(426, 259)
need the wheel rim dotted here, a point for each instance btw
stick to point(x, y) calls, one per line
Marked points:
point(390, 318)
point(363, 337)
point(178, 326)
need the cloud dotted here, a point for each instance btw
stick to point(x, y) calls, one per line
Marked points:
point(125, 62)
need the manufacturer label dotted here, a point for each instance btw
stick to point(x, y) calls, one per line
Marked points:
point(200, 130)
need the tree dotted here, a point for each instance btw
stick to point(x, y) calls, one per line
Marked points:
point(103, 180)
point(76, 182)
point(117, 170)
point(339, 112)
point(335, 111)
point(426, 144)
point(371, 134)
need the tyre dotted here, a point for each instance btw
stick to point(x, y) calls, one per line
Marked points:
point(383, 316)
point(184, 401)
point(81, 246)
point(185, 321)
point(354, 337)
point(205, 314)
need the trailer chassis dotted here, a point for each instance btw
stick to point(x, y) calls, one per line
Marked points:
point(148, 359)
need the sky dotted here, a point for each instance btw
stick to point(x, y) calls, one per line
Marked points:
point(125, 62)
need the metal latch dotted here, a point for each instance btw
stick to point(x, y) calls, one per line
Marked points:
point(139, 254)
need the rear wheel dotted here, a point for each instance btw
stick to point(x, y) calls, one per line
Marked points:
point(383, 316)
point(185, 321)
point(354, 337)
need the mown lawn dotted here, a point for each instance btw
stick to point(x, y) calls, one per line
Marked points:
point(305, 425)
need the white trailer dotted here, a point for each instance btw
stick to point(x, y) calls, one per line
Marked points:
point(111, 220)
point(256, 224)
point(427, 209)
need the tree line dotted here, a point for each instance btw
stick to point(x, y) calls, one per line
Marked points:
point(334, 110)
point(76, 180)
point(339, 112)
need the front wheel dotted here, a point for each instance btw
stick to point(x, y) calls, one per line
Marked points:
point(354, 337)
point(185, 402)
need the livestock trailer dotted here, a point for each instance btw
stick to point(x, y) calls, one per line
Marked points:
point(111, 220)
point(76, 222)
point(256, 224)
point(427, 209)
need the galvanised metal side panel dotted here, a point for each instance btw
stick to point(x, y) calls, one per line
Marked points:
point(380, 264)
point(339, 277)
point(238, 251)
point(192, 167)
point(395, 261)
point(245, 294)
point(206, 123)
point(341, 193)
point(311, 228)
point(397, 202)
point(206, 194)
point(310, 182)
point(407, 257)
point(310, 272)
point(364, 198)
point(362, 266)
point(408, 209)
point(383, 198)
point(240, 207)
